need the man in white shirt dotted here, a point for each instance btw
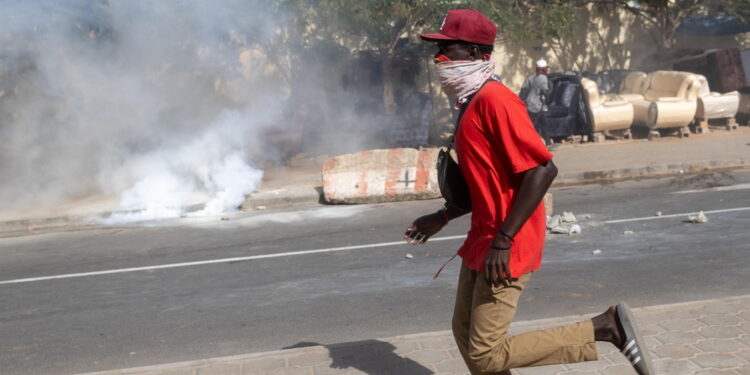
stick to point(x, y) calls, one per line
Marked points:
point(534, 93)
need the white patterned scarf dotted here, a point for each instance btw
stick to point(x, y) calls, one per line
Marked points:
point(461, 79)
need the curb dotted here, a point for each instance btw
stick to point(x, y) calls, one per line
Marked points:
point(201, 363)
point(517, 327)
point(11, 227)
point(652, 171)
point(274, 199)
point(265, 199)
point(313, 195)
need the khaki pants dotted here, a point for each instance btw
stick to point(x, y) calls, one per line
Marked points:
point(480, 325)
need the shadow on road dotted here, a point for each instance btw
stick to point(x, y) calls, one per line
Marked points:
point(369, 356)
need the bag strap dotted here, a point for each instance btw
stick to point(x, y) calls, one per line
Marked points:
point(465, 105)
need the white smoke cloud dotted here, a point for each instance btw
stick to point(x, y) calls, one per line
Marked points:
point(153, 100)
point(214, 163)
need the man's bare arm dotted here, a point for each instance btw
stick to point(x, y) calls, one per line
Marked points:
point(534, 184)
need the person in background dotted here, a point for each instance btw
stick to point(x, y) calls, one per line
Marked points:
point(534, 93)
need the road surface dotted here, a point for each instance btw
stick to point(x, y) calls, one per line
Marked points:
point(114, 297)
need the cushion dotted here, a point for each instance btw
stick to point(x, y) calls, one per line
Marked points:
point(633, 83)
point(671, 84)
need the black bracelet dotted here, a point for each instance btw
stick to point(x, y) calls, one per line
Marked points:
point(445, 215)
point(499, 248)
point(506, 235)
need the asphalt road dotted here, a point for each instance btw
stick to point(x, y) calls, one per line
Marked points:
point(123, 319)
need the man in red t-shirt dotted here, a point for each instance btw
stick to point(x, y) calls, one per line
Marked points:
point(508, 170)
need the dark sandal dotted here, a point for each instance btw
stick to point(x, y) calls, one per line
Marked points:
point(633, 347)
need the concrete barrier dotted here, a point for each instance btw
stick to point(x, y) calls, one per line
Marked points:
point(381, 176)
point(386, 176)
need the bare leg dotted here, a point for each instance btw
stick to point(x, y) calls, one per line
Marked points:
point(606, 327)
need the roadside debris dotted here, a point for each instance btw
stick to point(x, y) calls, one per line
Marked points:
point(627, 232)
point(568, 217)
point(596, 252)
point(260, 208)
point(224, 218)
point(409, 256)
point(563, 224)
point(559, 229)
point(658, 213)
point(698, 219)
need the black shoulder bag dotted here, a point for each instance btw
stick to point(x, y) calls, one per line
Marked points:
point(452, 184)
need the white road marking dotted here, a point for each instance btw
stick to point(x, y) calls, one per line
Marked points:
point(686, 214)
point(222, 260)
point(717, 188)
point(317, 251)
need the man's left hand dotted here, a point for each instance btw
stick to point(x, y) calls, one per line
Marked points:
point(497, 262)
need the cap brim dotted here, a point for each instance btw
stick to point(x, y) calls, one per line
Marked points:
point(435, 37)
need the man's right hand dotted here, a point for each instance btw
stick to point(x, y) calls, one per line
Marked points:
point(425, 227)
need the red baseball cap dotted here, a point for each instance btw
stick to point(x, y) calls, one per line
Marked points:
point(467, 25)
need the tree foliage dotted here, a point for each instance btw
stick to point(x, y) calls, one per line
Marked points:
point(663, 17)
point(379, 25)
point(533, 21)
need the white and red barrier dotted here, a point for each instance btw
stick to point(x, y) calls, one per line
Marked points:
point(381, 176)
point(390, 175)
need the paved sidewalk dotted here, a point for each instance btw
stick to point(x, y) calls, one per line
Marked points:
point(702, 337)
point(663, 156)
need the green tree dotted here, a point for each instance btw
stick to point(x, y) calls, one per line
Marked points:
point(379, 25)
point(557, 22)
point(661, 17)
point(534, 21)
point(664, 17)
point(553, 24)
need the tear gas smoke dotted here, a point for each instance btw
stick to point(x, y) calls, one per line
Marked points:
point(153, 100)
point(160, 102)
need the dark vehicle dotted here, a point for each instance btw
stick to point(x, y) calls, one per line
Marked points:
point(566, 108)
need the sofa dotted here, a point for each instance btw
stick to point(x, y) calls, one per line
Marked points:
point(714, 105)
point(608, 81)
point(607, 113)
point(631, 87)
point(664, 99)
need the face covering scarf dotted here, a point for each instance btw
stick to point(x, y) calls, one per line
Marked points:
point(461, 79)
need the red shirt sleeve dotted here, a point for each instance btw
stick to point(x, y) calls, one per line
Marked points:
point(511, 130)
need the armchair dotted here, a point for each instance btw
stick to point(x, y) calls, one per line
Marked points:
point(668, 100)
point(713, 105)
point(607, 113)
point(631, 87)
